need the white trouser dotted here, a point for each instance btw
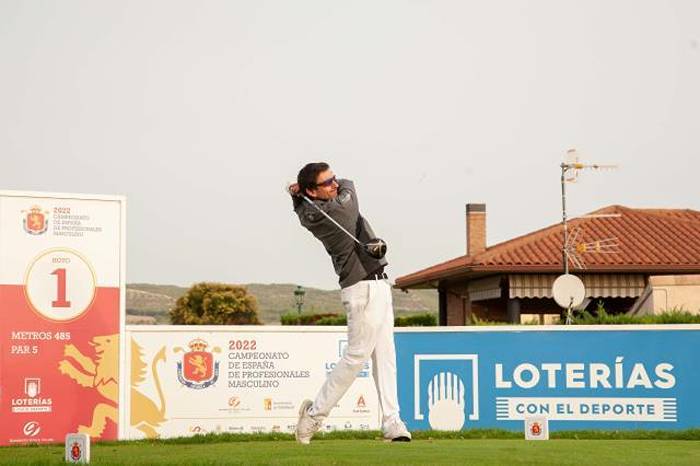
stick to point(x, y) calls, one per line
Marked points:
point(368, 305)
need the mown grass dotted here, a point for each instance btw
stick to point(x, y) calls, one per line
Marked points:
point(469, 434)
point(478, 446)
point(221, 450)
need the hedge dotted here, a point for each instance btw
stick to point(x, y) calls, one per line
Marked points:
point(674, 316)
point(294, 318)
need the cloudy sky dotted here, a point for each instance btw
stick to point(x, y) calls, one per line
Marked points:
point(199, 112)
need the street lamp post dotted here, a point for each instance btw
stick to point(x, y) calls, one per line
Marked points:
point(299, 297)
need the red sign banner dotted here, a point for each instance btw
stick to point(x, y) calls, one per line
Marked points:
point(61, 299)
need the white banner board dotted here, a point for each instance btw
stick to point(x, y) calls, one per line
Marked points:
point(185, 380)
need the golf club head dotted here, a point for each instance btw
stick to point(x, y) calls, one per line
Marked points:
point(375, 247)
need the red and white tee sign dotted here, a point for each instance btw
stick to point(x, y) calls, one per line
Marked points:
point(61, 315)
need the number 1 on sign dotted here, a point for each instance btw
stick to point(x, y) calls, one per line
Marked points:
point(61, 292)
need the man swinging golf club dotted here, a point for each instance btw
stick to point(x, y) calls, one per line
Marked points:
point(329, 209)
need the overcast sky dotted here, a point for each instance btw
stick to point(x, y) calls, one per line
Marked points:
point(199, 112)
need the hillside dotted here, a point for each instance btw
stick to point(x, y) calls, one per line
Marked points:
point(149, 303)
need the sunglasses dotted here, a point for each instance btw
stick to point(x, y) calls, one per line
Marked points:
point(327, 183)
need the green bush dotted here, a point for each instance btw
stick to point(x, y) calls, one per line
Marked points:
point(289, 318)
point(417, 320)
point(294, 318)
point(672, 316)
point(332, 320)
point(478, 322)
point(601, 317)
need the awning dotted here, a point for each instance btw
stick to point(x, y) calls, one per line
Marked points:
point(611, 285)
point(485, 288)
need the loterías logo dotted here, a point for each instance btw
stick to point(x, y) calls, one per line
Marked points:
point(32, 387)
point(35, 221)
point(442, 384)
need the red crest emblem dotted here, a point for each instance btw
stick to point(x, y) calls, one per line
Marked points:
point(35, 222)
point(75, 453)
point(198, 366)
point(535, 429)
point(198, 369)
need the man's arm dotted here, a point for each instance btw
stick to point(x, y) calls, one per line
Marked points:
point(293, 190)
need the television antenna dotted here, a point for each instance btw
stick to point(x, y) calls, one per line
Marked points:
point(572, 249)
point(568, 290)
point(576, 247)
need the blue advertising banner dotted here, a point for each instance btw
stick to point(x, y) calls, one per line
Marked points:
point(583, 377)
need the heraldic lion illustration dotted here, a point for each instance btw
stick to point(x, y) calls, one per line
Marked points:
point(101, 374)
point(145, 415)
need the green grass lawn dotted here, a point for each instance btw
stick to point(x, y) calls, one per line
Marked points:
point(368, 452)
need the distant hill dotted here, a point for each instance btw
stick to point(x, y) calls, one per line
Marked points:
point(149, 303)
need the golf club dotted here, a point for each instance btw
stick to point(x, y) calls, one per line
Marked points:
point(375, 247)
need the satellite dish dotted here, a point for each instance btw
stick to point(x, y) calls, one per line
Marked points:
point(568, 290)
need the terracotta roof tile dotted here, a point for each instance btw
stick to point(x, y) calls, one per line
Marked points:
point(651, 240)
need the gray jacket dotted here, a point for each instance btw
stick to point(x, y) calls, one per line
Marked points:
point(350, 261)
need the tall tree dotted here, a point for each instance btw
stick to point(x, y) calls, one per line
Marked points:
point(215, 304)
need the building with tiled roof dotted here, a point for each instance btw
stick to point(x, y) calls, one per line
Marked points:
point(514, 278)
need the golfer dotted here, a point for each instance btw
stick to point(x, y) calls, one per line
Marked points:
point(365, 293)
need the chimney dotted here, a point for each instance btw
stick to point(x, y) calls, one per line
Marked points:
point(476, 228)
